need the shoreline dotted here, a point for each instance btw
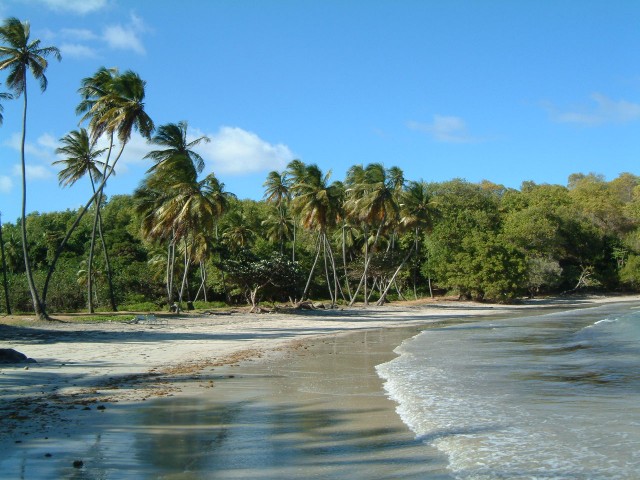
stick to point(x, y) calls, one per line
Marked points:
point(85, 369)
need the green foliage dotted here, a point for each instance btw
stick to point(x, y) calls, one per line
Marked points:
point(271, 278)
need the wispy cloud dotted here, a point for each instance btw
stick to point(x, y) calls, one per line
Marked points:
point(79, 34)
point(5, 184)
point(445, 128)
point(600, 110)
point(80, 7)
point(235, 151)
point(85, 43)
point(43, 148)
point(34, 172)
point(126, 37)
point(77, 50)
point(42, 152)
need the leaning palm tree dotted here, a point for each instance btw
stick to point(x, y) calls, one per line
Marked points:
point(19, 55)
point(417, 212)
point(82, 158)
point(116, 110)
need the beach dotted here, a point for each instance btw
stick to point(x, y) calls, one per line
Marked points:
point(302, 381)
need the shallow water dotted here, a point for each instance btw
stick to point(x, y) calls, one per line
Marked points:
point(550, 396)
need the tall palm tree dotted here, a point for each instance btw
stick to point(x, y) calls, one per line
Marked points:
point(278, 227)
point(175, 205)
point(19, 55)
point(278, 192)
point(82, 158)
point(115, 108)
point(318, 204)
point(4, 96)
point(371, 192)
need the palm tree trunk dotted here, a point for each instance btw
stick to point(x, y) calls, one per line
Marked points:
point(366, 263)
point(84, 210)
point(383, 296)
point(185, 274)
point(313, 267)
point(415, 273)
point(4, 272)
point(203, 273)
point(112, 298)
point(336, 283)
point(90, 262)
point(344, 263)
point(326, 269)
point(105, 253)
point(38, 306)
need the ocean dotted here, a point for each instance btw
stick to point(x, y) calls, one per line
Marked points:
point(551, 396)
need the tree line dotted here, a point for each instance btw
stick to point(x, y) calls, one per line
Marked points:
point(181, 238)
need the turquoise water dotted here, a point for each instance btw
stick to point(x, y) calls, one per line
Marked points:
point(549, 396)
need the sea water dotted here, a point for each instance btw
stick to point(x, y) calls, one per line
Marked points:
point(537, 397)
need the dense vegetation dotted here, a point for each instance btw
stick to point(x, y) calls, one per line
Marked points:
point(181, 238)
point(479, 241)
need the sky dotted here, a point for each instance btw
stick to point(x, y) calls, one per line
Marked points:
point(508, 91)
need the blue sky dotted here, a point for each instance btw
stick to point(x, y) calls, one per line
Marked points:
point(489, 89)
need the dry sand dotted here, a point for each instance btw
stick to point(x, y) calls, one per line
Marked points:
point(94, 366)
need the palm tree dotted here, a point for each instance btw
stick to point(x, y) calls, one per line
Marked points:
point(278, 192)
point(371, 193)
point(18, 55)
point(175, 205)
point(318, 204)
point(4, 96)
point(417, 211)
point(82, 159)
point(115, 108)
point(279, 227)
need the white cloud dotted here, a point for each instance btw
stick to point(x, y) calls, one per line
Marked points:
point(76, 50)
point(42, 151)
point(43, 148)
point(81, 7)
point(601, 110)
point(445, 128)
point(34, 172)
point(235, 151)
point(126, 37)
point(78, 34)
point(5, 184)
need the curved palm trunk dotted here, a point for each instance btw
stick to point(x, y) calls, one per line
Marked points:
point(383, 295)
point(326, 270)
point(90, 261)
point(313, 267)
point(105, 253)
point(187, 261)
point(4, 273)
point(366, 265)
point(344, 263)
point(112, 298)
point(84, 210)
point(38, 306)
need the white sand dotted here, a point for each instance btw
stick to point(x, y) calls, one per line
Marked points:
point(92, 365)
